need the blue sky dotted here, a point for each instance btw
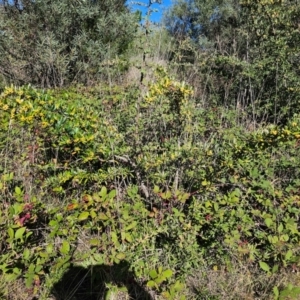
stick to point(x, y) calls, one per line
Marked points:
point(156, 16)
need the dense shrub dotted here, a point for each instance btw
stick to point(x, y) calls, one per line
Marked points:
point(100, 176)
point(51, 44)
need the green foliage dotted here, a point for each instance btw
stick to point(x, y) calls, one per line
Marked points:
point(244, 54)
point(58, 43)
point(205, 22)
point(152, 179)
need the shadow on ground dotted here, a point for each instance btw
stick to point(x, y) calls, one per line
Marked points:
point(91, 283)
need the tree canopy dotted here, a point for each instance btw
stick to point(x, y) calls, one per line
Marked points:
point(54, 43)
point(253, 48)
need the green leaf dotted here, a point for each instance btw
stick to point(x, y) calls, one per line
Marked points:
point(29, 280)
point(167, 273)
point(98, 258)
point(94, 242)
point(11, 233)
point(18, 191)
point(19, 233)
point(53, 223)
point(93, 214)
point(103, 192)
point(83, 216)
point(167, 195)
point(284, 238)
point(121, 256)
point(268, 222)
point(49, 248)
point(159, 280)
point(26, 253)
point(131, 226)
point(65, 248)
point(102, 216)
point(178, 286)
point(128, 237)
point(166, 295)
point(112, 194)
point(156, 189)
point(276, 291)
point(208, 204)
point(44, 254)
point(11, 277)
point(151, 284)
point(216, 206)
point(153, 274)
point(288, 255)
point(275, 269)
point(114, 238)
point(264, 266)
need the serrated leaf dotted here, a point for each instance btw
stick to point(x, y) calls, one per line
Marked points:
point(264, 266)
point(19, 233)
point(83, 216)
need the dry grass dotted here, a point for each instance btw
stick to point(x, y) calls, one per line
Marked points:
point(241, 282)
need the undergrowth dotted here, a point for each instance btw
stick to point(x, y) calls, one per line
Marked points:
point(177, 199)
